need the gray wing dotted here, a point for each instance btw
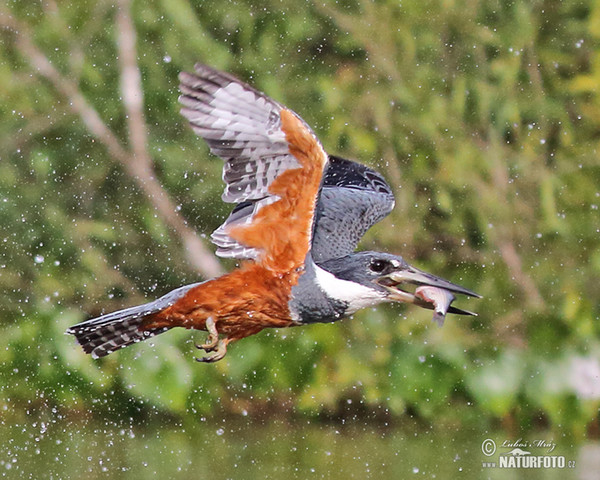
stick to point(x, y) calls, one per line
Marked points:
point(353, 198)
point(243, 127)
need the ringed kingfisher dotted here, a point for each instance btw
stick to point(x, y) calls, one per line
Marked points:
point(298, 218)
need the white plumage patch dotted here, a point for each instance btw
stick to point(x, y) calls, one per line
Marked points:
point(355, 295)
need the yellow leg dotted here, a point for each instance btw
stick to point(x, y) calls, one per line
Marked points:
point(217, 353)
point(212, 341)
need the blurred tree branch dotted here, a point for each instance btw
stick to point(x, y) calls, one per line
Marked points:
point(137, 161)
point(502, 236)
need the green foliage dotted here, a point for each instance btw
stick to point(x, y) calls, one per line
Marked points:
point(482, 115)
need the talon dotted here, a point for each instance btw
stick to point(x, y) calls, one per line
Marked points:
point(212, 341)
point(218, 353)
point(207, 347)
point(210, 345)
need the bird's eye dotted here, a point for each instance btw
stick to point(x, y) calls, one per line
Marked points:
point(378, 266)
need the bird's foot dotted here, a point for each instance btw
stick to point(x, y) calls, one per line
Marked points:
point(217, 354)
point(212, 341)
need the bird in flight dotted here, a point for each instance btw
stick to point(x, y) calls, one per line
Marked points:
point(298, 218)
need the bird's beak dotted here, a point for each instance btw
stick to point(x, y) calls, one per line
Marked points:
point(431, 292)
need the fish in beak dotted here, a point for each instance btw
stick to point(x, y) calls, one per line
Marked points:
point(433, 293)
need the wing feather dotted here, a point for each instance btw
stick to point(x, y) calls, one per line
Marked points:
point(272, 159)
point(352, 199)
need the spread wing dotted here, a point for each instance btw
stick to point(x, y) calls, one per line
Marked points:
point(274, 164)
point(352, 199)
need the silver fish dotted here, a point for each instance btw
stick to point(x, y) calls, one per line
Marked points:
point(439, 298)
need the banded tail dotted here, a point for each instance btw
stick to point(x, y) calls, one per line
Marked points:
point(113, 331)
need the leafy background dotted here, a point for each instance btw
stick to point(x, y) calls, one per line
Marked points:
point(483, 116)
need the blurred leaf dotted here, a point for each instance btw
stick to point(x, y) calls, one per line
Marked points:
point(496, 383)
point(161, 376)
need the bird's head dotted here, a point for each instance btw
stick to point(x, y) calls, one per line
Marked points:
point(384, 277)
